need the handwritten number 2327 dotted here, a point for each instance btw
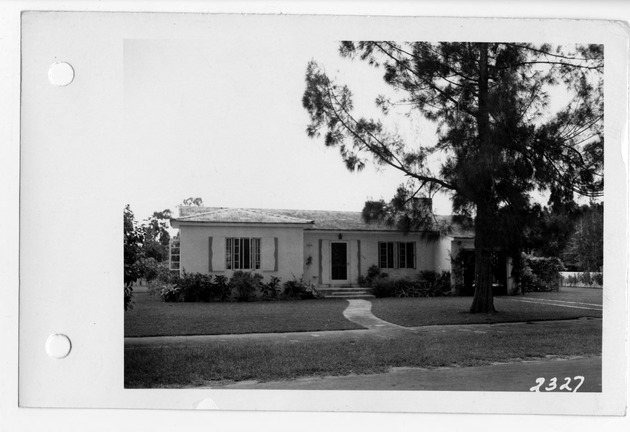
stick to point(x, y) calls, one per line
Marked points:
point(553, 384)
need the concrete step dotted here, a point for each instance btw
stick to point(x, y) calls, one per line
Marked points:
point(344, 292)
point(349, 296)
point(340, 289)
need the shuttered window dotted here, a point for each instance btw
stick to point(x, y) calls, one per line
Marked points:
point(242, 253)
point(397, 255)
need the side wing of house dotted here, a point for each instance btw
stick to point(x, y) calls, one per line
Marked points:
point(269, 250)
point(221, 241)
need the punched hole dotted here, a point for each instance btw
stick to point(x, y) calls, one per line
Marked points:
point(58, 346)
point(60, 74)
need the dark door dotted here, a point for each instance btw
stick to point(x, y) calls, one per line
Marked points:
point(468, 258)
point(499, 273)
point(339, 261)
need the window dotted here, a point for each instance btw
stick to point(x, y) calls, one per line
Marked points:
point(397, 255)
point(174, 254)
point(407, 255)
point(386, 254)
point(242, 253)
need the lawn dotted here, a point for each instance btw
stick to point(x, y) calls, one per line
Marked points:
point(413, 312)
point(216, 363)
point(576, 294)
point(152, 317)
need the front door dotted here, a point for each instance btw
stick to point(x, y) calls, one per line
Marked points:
point(339, 261)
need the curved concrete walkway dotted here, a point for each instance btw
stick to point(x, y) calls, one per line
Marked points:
point(360, 312)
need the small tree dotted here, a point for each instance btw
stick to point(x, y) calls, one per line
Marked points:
point(132, 254)
point(193, 202)
point(156, 238)
point(585, 248)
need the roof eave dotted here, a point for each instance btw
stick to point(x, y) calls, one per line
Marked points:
point(176, 223)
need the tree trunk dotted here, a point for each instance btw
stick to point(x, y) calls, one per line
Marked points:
point(483, 301)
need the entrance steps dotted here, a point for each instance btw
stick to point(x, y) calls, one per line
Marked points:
point(345, 292)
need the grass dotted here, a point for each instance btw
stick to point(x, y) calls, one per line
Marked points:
point(213, 363)
point(576, 294)
point(152, 317)
point(414, 312)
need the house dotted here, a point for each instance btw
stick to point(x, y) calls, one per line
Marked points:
point(327, 248)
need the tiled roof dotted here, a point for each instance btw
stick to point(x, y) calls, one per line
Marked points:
point(236, 215)
point(319, 219)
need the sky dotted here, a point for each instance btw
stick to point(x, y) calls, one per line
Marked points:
point(221, 118)
point(225, 122)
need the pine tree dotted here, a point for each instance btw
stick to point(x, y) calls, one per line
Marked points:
point(498, 138)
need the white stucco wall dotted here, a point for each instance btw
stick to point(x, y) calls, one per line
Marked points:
point(305, 253)
point(442, 254)
point(195, 249)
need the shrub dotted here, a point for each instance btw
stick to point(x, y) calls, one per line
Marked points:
point(585, 278)
point(164, 278)
point(373, 273)
point(433, 284)
point(571, 280)
point(539, 274)
point(382, 286)
point(245, 285)
point(196, 287)
point(404, 287)
point(157, 285)
point(164, 273)
point(297, 289)
point(128, 296)
point(271, 289)
point(149, 268)
point(222, 287)
point(426, 284)
point(170, 293)
point(190, 287)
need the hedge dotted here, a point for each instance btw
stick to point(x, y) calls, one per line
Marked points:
point(538, 274)
point(242, 286)
point(425, 284)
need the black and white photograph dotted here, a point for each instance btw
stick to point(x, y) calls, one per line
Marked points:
point(446, 236)
point(364, 215)
point(302, 213)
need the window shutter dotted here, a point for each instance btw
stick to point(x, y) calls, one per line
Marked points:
point(268, 252)
point(359, 257)
point(325, 262)
point(217, 254)
point(382, 262)
point(209, 254)
point(415, 255)
point(319, 259)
